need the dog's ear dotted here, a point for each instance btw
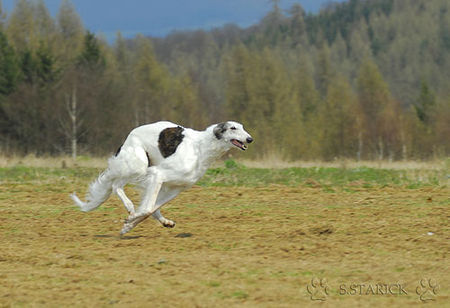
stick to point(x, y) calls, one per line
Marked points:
point(220, 129)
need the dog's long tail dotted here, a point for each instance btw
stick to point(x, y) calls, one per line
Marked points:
point(99, 191)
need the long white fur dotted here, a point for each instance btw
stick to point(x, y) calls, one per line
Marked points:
point(166, 177)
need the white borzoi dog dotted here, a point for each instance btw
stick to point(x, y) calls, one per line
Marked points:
point(164, 159)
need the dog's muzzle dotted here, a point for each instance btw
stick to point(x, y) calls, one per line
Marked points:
point(241, 144)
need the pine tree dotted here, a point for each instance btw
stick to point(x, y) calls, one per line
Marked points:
point(441, 128)
point(238, 73)
point(338, 121)
point(376, 105)
point(71, 31)
point(151, 82)
point(307, 94)
point(274, 103)
point(91, 57)
point(122, 54)
point(325, 71)
point(2, 17)
point(425, 104)
point(359, 44)
point(297, 25)
point(46, 70)
point(9, 70)
point(273, 25)
point(21, 26)
point(44, 25)
point(9, 76)
point(185, 107)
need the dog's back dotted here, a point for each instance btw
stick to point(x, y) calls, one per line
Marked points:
point(147, 137)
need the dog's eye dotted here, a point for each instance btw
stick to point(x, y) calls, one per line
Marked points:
point(233, 128)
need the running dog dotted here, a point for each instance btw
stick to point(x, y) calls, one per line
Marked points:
point(163, 159)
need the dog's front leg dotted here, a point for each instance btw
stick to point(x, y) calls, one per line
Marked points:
point(166, 194)
point(147, 206)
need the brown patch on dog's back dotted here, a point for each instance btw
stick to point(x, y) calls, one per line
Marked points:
point(169, 139)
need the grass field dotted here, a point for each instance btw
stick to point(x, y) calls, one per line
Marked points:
point(244, 237)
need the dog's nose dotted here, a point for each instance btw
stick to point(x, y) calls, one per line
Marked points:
point(249, 140)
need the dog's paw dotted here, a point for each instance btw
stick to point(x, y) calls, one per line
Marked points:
point(168, 223)
point(135, 216)
point(126, 228)
point(131, 222)
point(130, 218)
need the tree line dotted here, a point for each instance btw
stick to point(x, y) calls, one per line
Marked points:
point(363, 79)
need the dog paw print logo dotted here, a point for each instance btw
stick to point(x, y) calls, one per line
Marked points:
point(427, 290)
point(318, 289)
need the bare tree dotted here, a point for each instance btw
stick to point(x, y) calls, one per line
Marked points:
point(71, 104)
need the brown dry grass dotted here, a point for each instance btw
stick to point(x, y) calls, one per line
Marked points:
point(267, 162)
point(52, 162)
point(275, 162)
point(248, 247)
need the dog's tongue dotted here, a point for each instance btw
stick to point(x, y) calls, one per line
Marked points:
point(238, 144)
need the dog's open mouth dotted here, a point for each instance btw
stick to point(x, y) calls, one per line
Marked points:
point(239, 144)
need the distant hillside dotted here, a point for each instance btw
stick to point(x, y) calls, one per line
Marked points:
point(409, 41)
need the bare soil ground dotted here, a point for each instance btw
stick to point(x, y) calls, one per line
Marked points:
point(232, 246)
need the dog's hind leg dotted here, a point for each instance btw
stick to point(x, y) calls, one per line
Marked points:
point(126, 201)
point(164, 221)
point(148, 204)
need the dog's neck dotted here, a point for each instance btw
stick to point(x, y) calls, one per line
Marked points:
point(212, 147)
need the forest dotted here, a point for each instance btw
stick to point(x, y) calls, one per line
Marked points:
point(362, 79)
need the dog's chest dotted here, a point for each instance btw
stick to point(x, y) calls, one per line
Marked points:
point(183, 176)
point(186, 166)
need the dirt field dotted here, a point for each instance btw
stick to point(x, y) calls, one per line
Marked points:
point(338, 243)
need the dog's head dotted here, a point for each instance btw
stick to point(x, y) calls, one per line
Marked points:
point(232, 133)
